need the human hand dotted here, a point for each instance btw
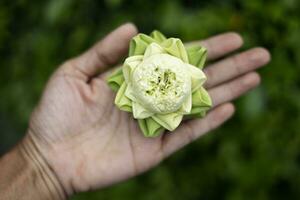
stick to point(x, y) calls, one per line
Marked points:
point(89, 143)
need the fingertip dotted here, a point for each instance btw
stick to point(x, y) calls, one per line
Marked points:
point(130, 28)
point(257, 78)
point(250, 80)
point(254, 78)
point(264, 54)
point(226, 43)
point(228, 109)
point(236, 39)
point(220, 114)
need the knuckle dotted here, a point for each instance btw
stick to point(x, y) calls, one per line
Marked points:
point(103, 57)
point(236, 62)
point(190, 133)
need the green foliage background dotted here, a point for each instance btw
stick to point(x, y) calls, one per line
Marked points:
point(256, 155)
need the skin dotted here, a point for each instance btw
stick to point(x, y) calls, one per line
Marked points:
point(86, 143)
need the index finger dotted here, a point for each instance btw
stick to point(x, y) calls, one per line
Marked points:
point(105, 53)
point(219, 45)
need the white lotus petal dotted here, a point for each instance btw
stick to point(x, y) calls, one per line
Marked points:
point(161, 83)
point(186, 106)
point(129, 93)
point(139, 112)
point(129, 65)
point(153, 49)
point(197, 75)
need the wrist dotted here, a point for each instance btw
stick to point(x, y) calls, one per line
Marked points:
point(49, 186)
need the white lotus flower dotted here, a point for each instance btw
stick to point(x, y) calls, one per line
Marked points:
point(160, 84)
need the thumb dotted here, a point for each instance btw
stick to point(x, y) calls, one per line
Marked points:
point(104, 53)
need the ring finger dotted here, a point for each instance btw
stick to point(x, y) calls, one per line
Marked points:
point(235, 66)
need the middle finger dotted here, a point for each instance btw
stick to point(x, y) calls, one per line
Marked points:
point(235, 66)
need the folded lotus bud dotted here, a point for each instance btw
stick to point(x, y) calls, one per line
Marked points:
point(161, 82)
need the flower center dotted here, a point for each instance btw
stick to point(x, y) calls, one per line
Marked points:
point(161, 83)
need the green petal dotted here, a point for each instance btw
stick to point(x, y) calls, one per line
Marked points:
point(198, 77)
point(116, 79)
point(150, 128)
point(139, 112)
point(197, 112)
point(158, 36)
point(129, 65)
point(122, 101)
point(169, 121)
point(201, 98)
point(139, 43)
point(197, 56)
point(153, 49)
point(201, 103)
point(175, 47)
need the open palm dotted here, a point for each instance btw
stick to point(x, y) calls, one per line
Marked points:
point(90, 144)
